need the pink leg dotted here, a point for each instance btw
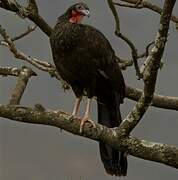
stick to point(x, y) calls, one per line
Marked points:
point(86, 116)
point(76, 106)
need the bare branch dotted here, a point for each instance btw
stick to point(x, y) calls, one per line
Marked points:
point(138, 3)
point(31, 12)
point(28, 31)
point(124, 63)
point(146, 4)
point(160, 101)
point(128, 5)
point(32, 5)
point(123, 37)
point(146, 53)
point(40, 64)
point(134, 53)
point(21, 84)
point(115, 14)
point(150, 74)
point(157, 152)
point(9, 71)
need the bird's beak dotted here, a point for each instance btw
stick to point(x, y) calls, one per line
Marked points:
point(85, 12)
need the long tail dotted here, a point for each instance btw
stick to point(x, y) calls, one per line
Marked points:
point(114, 161)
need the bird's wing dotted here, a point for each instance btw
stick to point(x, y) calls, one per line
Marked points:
point(103, 56)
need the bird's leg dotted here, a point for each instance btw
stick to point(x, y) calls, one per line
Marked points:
point(86, 116)
point(76, 106)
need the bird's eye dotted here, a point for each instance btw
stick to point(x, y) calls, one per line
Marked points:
point(79, 7)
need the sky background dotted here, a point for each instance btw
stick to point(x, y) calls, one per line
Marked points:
point(38, 152)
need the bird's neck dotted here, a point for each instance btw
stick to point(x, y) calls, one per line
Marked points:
point(74, 18)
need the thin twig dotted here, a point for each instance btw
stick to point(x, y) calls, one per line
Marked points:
point(134, 53)
point(145, 4)
point(146, 53)
point(115, 14)
point(28, 31)
point(123, 37)
point(123, 64)
point(139, 6)
point(40, 64)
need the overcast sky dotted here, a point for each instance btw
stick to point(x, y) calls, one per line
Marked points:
point(37, 152)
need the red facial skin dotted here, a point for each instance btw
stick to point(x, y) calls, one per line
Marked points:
point(76, 17)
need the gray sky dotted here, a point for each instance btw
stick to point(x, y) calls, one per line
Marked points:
point(37, 152)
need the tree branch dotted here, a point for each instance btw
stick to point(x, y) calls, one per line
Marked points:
point(159, 101)
point(28, 31)
point(23, 78)
point(124, 38)
point(157, 152)
point(9, 71)
point(31, 12)
point(40, 64)
point(146, 53)
point(148, 5)
point(150, 73)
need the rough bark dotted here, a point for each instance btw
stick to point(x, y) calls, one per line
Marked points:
point(152, 151)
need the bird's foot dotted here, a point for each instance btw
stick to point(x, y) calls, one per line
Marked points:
point(72, 117)
point(84, 120)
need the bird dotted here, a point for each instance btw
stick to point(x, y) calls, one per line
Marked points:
point(85, 59)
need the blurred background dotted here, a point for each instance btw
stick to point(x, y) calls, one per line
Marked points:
point(38, 152)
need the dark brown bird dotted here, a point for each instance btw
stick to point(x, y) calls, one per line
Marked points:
point(85, 59)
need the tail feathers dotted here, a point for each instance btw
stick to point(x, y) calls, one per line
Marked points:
point(123, 162)
point(114, 161)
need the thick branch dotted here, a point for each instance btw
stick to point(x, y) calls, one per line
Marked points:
point(150, 74)
point(21, 84)
point(31, 12)
point(9, 71)
point(152, 151)
point(160, 101)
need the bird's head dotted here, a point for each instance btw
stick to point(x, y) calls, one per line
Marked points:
point(77, 12)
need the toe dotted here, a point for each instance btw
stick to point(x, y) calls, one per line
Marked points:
point(84, 120)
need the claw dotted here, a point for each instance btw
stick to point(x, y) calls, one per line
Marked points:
point(71, 117)
point(84, 120)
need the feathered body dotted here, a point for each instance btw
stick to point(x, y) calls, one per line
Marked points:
point(85, 59)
